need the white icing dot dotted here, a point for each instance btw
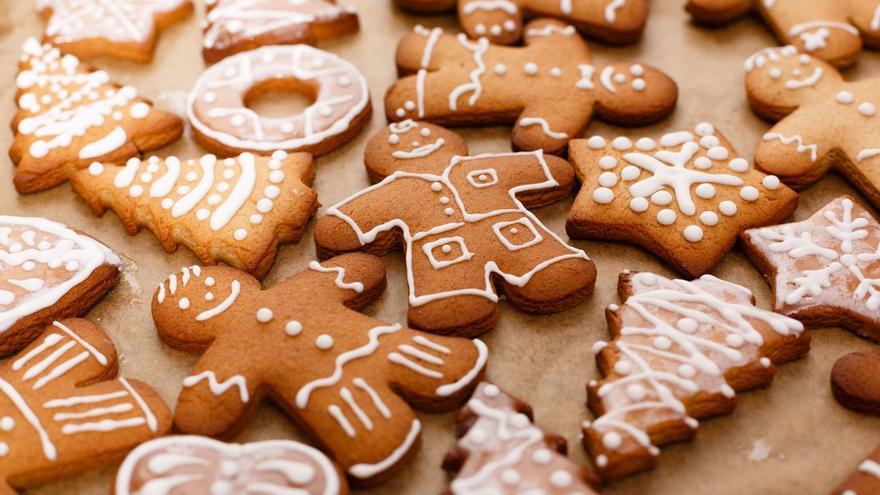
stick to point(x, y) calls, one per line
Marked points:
point(293, 328)
point(666, 217)
point(844, 97)
point(718, 153)
point(661, 198)
point(264, 315)
point(324, 342)
point(734, 340)
point(727, 208)
point(706, 191)
point(646, 144)
point(687, 325)
point(637, 70)
point(693, 233)
point(436, 186)
point(7, 423)
point(272, 192)
point(705, 129)
point(214, 199)
point(867, 109)
point(542, 456)
point(255, 219)
point(607, 162)
point(393, 139)
point(740, 165)
point(530, 68)
point(209, 296)
point(630, 172)
point(703, 163)
point(264, 205)
point(510, 477)
point(639, 84)
point(775, 73)
point(448, 212)
point(556, 72)
point(621, 143)
point(4, 449)
point(167, 203)
point(509, 25)
point(596, 142)
point(240, 234)
point(210, 281)
point(183, 303)
point(636, 392)
point(662, 343)
point(687, 371)
point(619, 78)
point(709, 218)
point(96, 168)
point(622, 368)
point(749, 193)
point(203, 214)
point(520, 421)
point(771, 182)
point(639, 205)
point(139, 110)
point(276, 176)
point(612, 440)
point(560, 478)
point(607, 179)
point(491, 391)
point(500, 69)
point(603, 195)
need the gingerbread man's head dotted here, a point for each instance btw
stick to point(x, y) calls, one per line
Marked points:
point(627, 92)
point(413, 146)
point(779, 80)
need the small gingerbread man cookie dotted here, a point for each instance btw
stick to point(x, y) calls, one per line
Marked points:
point(617, 22)
point(680, 352)
point(116, 28)
point(234, 26)
point(452, 80)
point(348, 378)
point(832, 30)
point(813, 103)
point(685, 197)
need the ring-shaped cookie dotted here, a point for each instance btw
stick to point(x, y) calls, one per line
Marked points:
point(222, 122)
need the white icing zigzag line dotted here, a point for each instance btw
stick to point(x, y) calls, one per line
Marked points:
point(801, 147)
point(479, 49)
point(545, 127)
point(219, 388)
point(340, 276)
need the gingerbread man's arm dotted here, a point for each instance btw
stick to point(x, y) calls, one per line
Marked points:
point(355, 280)
point(718, 11)
point(796, 152)
point(863, 15)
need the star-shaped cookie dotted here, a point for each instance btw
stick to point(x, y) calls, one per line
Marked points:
point(685, 197)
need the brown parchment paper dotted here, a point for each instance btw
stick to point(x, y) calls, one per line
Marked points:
point(792, 438)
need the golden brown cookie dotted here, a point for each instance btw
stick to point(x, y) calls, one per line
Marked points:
point(117, 28)
point(71, 115)
point(62, 411)
point(349, 379)
point(685, 196)
point(235, 26)
point(452, 80)
point(235, 210)
point(866, 479)
point(855, 382)
point(464, 224)
point(679, 352)
point(426, 6)
point(49, 272)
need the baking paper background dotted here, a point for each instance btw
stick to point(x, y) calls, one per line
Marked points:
point(790, 438)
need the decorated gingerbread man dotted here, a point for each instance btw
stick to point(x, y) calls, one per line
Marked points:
point(339, 373)
point(832, 30)
point(62, 411)
point(453, 80)
point(825, 123)
point(612, 21)
point(465, 227)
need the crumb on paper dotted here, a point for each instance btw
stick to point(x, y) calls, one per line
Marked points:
point(128, 276)
point(761, 451)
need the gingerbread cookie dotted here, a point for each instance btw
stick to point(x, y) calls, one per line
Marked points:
point(825, 271)
point(866, 480)
point(855, 383)
point(465, 227)
point(813, 103)
point(235, 210)
point(71, 115)
point(342, 375)
point(62, 410)
point(500, 451)
point(48, 272)
point(199, 465)
point(117, 28)
point(685, 197)
point(426, 6)
point(235, 26)
point(680, 352)
point(222, 122)
point(452, 80)
point(618, 22)
point(832, 30)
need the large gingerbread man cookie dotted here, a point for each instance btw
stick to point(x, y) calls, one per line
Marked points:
point(464, 224)
point(346, 377)
point(825, 123)
point(62, 411)
point(70, 115)
point(453, 80)
point(679, 352)
point(832, 30)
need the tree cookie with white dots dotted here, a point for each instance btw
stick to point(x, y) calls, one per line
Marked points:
point(679, 352)
point(685, 196)
point(825, 124)
point(347, 378)
point(70, 115)
point(493, 426)
point(234, 210)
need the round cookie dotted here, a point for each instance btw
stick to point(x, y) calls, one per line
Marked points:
point(855, 382)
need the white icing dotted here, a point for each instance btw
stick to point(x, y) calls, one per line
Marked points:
point(217, 387)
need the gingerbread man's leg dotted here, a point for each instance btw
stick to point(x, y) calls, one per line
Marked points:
point(817, 27)
point(718, 11)
point(550, 128)
point(796, 153)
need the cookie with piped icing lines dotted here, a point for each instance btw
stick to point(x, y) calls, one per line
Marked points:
point(348, 378)
point(832, 30)
point(63, 411)
point(465, 226)
point(116, 28)
point(196, 465)
point(70, 115)
point(501, 451)
point(679, 351)
point(48, 271)
point(426, 6)
point(684, 196)
point(825, 124)
point(235, 210)
point(866, 479)
point(218, 111)
point(825, 270)
point(452, 80)
point(616, 22)
point(234, 26)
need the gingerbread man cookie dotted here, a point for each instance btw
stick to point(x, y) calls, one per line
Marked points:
point(464, 224)
point(825, 271)
point(684, 197)
point(342, 375)
point(117, 28)
point(48, 272)
point(62, 411)
point(222, 122)
point(617, 22)
point(865, 481)
point(71, 115)
point(235, 210)
point(426, 6)
point(500, 451)
point(239, 25)
point(680, 351)
point(832, 30)
point(198, 465)
point(826, 124)
point(452, 80)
